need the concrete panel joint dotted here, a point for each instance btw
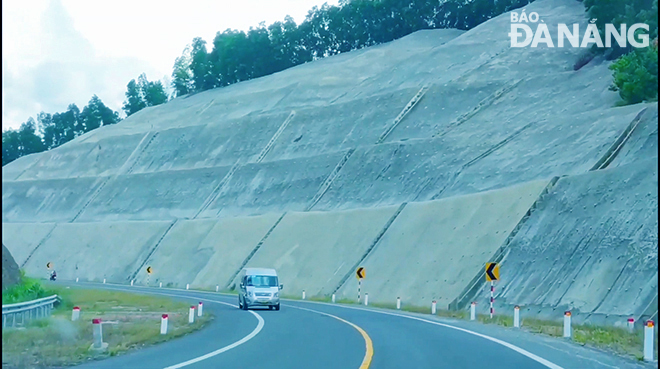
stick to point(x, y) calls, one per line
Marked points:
point(128, 166)
point(254, 251)
point(616, 147)
point(406, 109)
point(91, 198)
point(486, 102)
point(43, 240)
point(371, 247)
point(153, 249)
point(328, 181)
point(479, 280)
point(277, 134)
point(218, 189)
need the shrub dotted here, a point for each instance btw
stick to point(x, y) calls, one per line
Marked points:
point(636, 75)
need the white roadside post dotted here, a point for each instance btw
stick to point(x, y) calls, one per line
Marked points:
point(366, 299)
point(75, 314)
point(199, 308)
point(76, 279)
point(163, 324)
point(191, 315)
point(160, 285)
point(303, 295)
point(567, 324)
point(103, 280)
point(132, 281)
point(631, 325)
point(333, 298)
point(97, 333)
point(473, 311)
point(433, 307)
point(398, 303)
point(187, 286)
point(649, 333)
point(217, 288)
point(516, 317)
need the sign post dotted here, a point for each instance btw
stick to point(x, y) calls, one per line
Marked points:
point(149, 271)
point(360, 274)
point(492, 275)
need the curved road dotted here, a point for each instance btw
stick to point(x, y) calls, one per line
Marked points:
point(317, 335)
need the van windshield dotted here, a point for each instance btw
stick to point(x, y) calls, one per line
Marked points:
point(261, 281)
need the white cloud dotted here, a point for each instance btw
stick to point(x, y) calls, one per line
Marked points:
point(60, 52)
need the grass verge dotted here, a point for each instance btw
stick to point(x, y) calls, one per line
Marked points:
point(57, 341)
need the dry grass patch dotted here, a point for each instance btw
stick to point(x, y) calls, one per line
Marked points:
point(58, 341)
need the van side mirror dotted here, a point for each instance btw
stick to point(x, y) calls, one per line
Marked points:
point(281, 286)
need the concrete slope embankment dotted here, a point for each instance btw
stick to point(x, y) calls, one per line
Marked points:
point(590, 247)
point(205, 252)
point(433, 249)
point(94, 251)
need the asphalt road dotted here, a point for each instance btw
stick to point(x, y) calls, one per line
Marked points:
point(315, 335)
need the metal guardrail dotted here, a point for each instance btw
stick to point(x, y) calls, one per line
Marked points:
point(35, 309)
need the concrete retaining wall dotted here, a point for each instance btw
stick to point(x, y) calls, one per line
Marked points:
point(590, 246)
point(313, 251)
point(205, 252)
point(93, 251)
point(433, 249)
point(24, 238)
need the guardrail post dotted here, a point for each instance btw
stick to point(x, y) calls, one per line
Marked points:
point(398, 303)
point(649, 332)
point(163, 324)
point(303, 295)
point(333, 298)
point(191, 315)
point(75, 314)
point(567, 324)
point(473, 311)
point(199, 309)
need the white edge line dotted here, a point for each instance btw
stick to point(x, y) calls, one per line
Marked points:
point(519, 350)
point(250, 336)
point(515, 348)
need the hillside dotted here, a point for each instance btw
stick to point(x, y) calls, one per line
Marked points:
point(421, 159)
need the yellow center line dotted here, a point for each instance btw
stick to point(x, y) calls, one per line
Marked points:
point(368, 355)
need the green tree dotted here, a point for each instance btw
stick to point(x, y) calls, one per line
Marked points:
point(134, 101)
point(200, 66)
point(181, 75)
point(21, 142)
point(96, 114)
point(636, 75)
point(153, 93)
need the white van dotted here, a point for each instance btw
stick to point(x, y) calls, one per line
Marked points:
point(259, 287)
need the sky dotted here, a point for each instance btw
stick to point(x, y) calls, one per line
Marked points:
point(58, 52)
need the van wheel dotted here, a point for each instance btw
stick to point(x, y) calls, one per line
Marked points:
point(277, 307)
point(245, 306)
point(240, 305)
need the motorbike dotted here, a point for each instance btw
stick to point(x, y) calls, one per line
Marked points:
point(53, 276)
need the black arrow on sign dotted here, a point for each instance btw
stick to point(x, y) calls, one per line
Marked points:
point(489, 271)
point(360, 273)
